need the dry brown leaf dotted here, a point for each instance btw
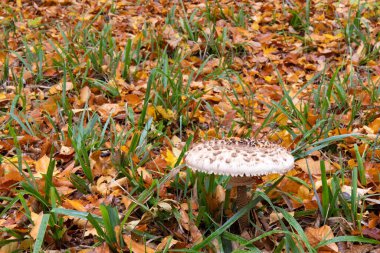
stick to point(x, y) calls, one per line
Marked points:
point(103, 185)
point(24, 245)
point(110, 110)
point(59, 87)
point(274, 217)
point(85, 94)
point(184, 219)
point(360, 192)
point(361, 249)
point(126, 201)
point(164, 243)
point(317, 235)
point(196, 234)
point(171, 36)
point(42, 164)
point(145, 175)
point(309, 164)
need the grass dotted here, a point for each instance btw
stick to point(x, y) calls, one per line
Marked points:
point(124, 172)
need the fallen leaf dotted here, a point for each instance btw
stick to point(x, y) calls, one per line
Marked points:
point(317, 235)
point(42, 164)
point(166, 244)
point(314, 166)
point(136, 247)
point(74, 204)
point(37, 218)
point(165, 113)
point(85, 94)
point(170, 158)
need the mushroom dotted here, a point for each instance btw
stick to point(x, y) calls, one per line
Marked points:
point(243, 159)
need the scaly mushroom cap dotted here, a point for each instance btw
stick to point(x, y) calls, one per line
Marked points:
point(235, 157)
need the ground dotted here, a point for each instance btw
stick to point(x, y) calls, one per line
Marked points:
point(100, 100)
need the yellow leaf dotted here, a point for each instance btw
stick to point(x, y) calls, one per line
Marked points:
point(151, 112)
point(34, 22)
point(255, 26)
point(170, 158)
point(86, 17)
point(282, 119)
point(124, 149)
point(284, 136)
point(227, 11)
point(19, 3)
point(268, 79)
point(165, 113)
point(3, 97)
point(267, 51)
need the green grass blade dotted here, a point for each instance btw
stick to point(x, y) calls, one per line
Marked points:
point(348, 238)
point(361, 169)
point(325, 191)
point(354, 196)
point(77, 214)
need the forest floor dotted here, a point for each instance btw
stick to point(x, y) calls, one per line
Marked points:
point(100, 100)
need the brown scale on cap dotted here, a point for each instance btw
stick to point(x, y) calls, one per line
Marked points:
point(246, 157)
point(217, 153)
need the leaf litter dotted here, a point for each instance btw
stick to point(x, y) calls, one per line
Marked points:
point(74, 82)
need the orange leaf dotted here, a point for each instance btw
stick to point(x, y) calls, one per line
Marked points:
point(10, 177)
point(42, 164)
point(133, 99)
point(375, 125)
point(75, 204)
point(317, 235)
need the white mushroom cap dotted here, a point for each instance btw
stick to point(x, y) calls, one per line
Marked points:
point(235, 157)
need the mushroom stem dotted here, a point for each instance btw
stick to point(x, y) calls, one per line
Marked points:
point(242, 201)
